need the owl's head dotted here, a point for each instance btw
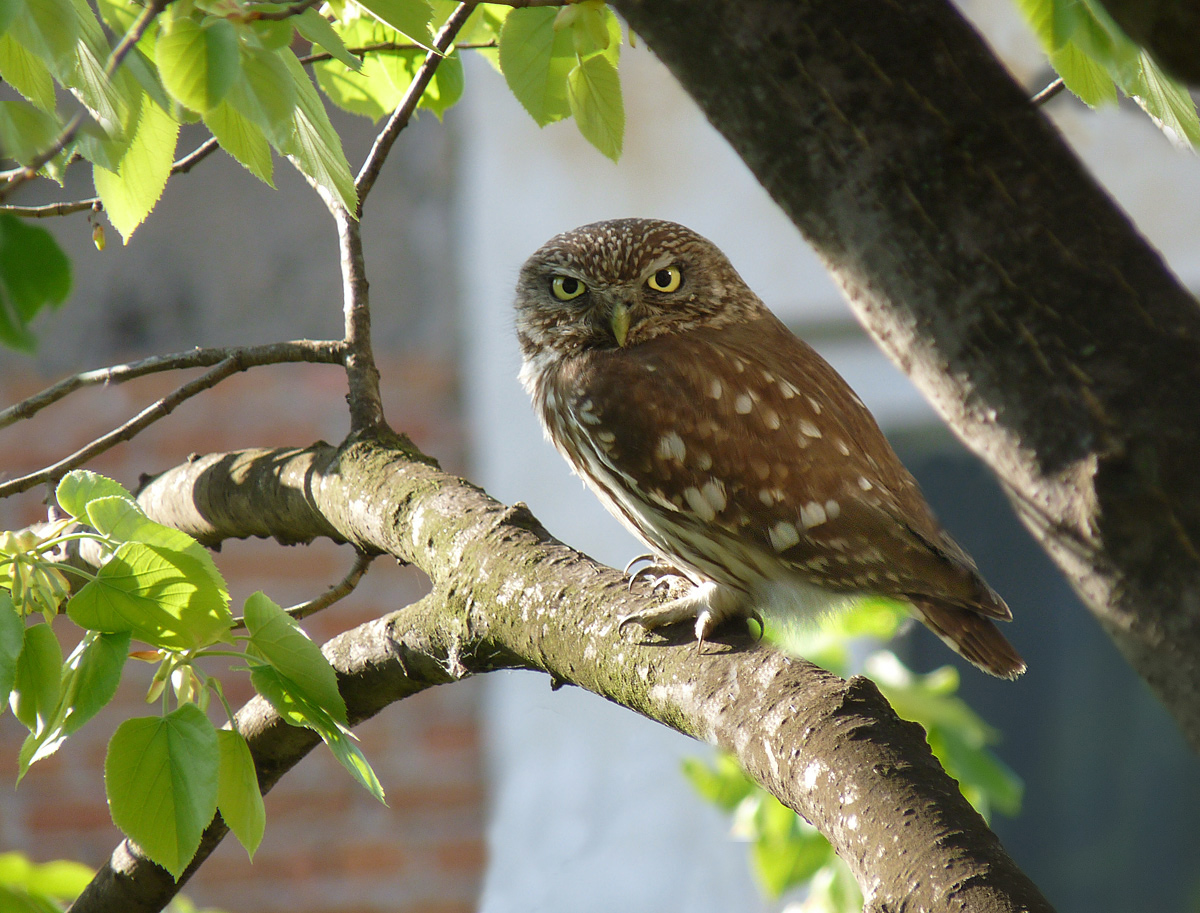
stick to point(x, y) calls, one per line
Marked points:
point(623, 282)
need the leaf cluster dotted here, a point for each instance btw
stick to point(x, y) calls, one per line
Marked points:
point(1095, 58)
point(165, 775)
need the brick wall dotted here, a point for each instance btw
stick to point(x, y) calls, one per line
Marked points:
point(328, 846)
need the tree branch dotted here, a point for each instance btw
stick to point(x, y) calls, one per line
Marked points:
point(300, 350)
point(507, 595)
point(990, 266)
point(233, 364)
point(403, 113)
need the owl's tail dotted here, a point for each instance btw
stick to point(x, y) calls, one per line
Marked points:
point(971, 636)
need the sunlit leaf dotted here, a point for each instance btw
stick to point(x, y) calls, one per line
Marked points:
point(130, 193)
point(295, 709)
point(89, 680)
point(317, 29)
point(242, 139)
point(12, 639)
point(38, 675)
point(238, 797)
point(25, 72)
point(81, 486)
point(161, 776)
point(1083, 76)
point(535, 60)
point(163, 597)
point(409, 17)
point(276, 638)
point(198, 63)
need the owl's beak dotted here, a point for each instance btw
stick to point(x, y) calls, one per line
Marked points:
point(620, 322)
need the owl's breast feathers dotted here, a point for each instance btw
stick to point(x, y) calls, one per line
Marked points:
point(747, 433)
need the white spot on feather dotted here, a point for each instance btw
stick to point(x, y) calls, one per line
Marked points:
point(743, 404)
point(812, 514)
point(699, 504)
point(809, 429)
point(715, 389)
point(670, 446)
point(714, 493)
point(783, 536)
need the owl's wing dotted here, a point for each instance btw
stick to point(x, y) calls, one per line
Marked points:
point(747, 433)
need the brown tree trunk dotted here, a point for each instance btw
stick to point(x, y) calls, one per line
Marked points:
point(991, 267)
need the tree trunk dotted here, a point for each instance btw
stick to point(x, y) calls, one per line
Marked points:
point(990, 266)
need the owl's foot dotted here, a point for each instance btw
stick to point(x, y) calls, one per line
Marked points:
point(653, 571)
point(708, 604)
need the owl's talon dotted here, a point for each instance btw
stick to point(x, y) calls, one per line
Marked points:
point(644, 557)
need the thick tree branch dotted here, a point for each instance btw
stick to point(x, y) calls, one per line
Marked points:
point(991, 267)
point(507, 595)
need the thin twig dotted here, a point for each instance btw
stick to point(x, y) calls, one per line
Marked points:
point(384, 46)
point(196, 156)
point(52, 209)
point(403, 113)
point(330, 596)
point(300, 350)
point(1049, 92)
point(148, 416)
point(148, 14)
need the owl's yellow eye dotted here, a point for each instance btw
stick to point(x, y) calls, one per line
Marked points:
point(567, 287)
point(666, 279)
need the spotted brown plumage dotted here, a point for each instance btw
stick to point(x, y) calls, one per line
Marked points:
point(727, 445)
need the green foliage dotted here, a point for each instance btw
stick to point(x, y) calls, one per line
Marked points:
point(787, 852)
point(1095, 58)
point(34, 273)
point(563, 62)
point(166, 775)
point(160, 774)
point(27, 887)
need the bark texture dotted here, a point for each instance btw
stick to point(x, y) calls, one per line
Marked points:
point(507, 595)
point(990, 266)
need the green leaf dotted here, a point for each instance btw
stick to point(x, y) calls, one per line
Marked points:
point(26, 131)
point(198, 63)
point(164, 597)
point(120, 518)
point(1053, 21)
point(47, 29)
point(594, 93)
point(60, 880)
point(276, 638)
point(34, 273)
point(1166, 101)
point(130, 193)
point(369, 92)
point(1083, 76)
point(408, 17)
point(785, 861)
point(242, 139)
point(317, 29)
point(724, 784)
point(26, 73)
point(313, 145)
point(12, 640)
point(446, 87)
point(238, 797)
point(291, 704)
point(37, 681)
point(266, 93)
point(161, 777)
point(535, 60)
point(89, 680)
point(81, 486)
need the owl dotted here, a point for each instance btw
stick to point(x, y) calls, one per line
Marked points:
point(728, 446)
